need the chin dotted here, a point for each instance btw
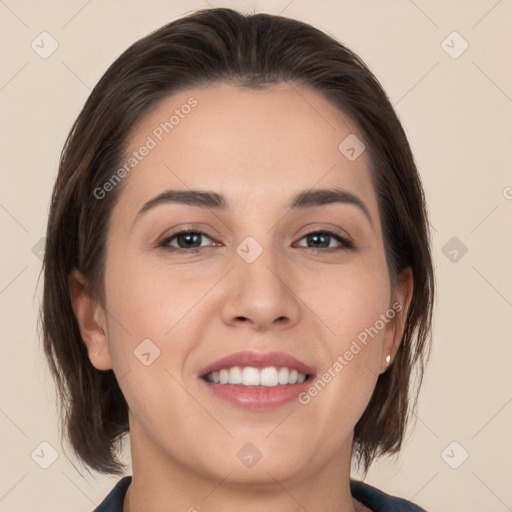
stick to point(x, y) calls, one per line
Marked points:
point(250, 465)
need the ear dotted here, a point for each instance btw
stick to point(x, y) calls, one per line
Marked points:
point(91, 321)
point(400, 302)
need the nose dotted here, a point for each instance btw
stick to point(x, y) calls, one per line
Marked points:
point(261, 294)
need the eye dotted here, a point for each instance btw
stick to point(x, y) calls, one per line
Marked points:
point(323, 239)
point(189, 241)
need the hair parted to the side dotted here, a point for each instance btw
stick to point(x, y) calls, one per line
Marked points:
point(205, 47)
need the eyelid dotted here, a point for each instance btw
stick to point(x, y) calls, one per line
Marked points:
point(341, 236)
point(182, 232)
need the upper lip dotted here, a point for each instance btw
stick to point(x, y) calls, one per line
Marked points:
point(257, 360)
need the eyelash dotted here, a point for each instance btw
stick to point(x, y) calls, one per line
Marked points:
point(345, 243)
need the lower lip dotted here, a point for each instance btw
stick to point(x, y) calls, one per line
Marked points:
point(257, 398)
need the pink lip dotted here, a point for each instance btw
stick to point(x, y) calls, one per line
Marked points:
point(257, 397)
point(257, 360)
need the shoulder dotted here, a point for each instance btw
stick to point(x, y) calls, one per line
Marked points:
point(114, 500)
point(379, 501)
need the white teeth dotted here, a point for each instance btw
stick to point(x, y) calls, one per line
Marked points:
point(268, 377)
point(283, 376)
point(249, 376)
point(223, 376)
point(235, 375)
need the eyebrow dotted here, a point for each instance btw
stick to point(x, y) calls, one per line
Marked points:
point(301, 200)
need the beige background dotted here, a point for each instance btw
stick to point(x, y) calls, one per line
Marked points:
point(457, 113)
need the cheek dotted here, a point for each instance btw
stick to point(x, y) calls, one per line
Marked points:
point(149, 329)
point(350, 305)
point(349, 301)
point(150, 335)
point(151, 301)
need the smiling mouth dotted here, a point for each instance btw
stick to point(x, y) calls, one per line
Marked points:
point(250, 376)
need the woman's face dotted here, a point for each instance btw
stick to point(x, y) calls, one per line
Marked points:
point(251, 279)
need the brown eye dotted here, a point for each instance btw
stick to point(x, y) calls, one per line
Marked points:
point(323, 239)
point(189, 241)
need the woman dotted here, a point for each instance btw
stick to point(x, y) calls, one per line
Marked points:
point(238, 271)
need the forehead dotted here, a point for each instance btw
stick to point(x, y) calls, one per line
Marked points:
point(266, 143)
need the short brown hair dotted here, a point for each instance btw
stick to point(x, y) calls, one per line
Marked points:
point(208, 46)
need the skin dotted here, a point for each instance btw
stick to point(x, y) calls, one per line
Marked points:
point(258, 148)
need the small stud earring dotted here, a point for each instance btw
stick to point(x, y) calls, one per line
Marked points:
point(388, 359)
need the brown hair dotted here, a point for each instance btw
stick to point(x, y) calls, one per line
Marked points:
point(205, 47)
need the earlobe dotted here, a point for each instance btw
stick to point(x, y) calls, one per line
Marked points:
point(91, 320)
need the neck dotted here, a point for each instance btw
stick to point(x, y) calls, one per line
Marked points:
point(161, 484)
